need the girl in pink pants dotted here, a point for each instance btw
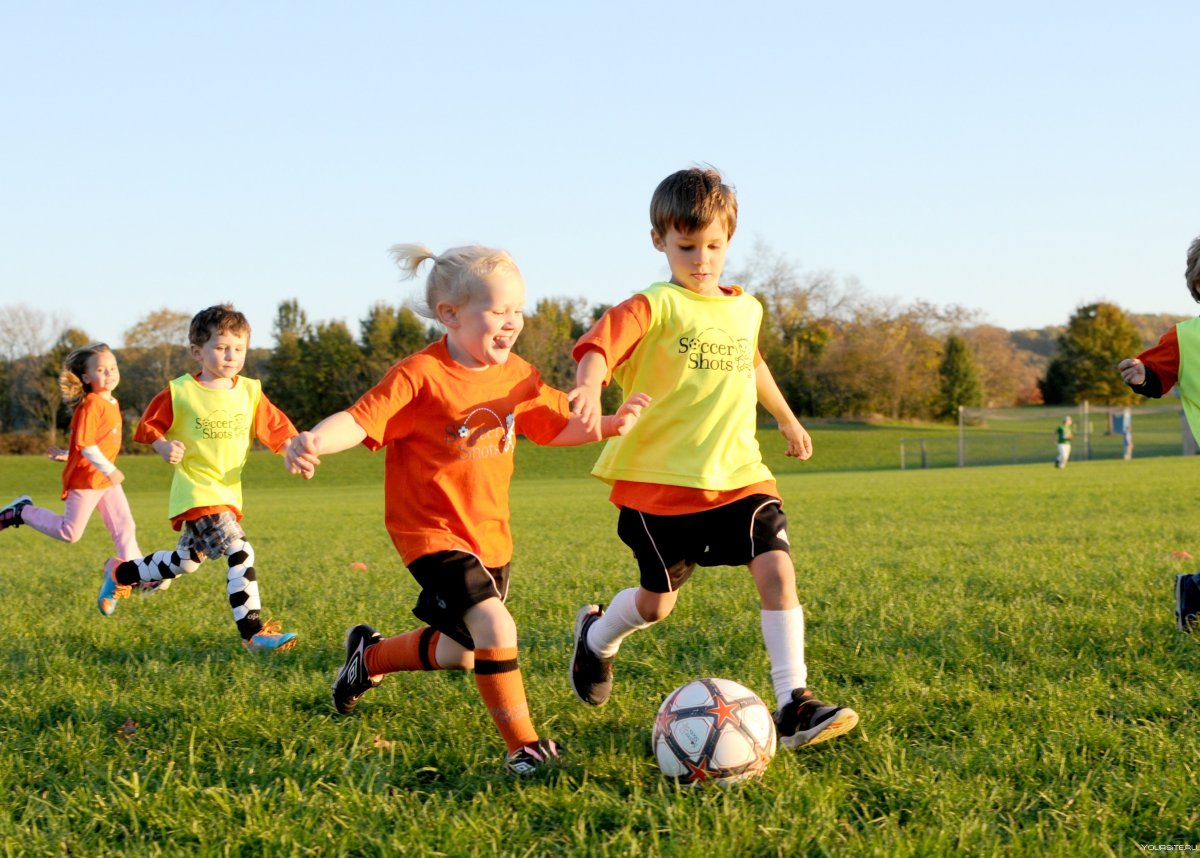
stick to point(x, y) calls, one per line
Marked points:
point(91, 479)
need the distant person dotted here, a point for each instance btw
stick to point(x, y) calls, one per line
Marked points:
point(449, 417)
point(689, 479)
point(1064, 435)
point(91, 479)
point(1153, 373)
point(203, 424)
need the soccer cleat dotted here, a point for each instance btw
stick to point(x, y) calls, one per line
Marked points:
point(10, 516)
point(527, 759)
point(591, 676)
point(110, 590)
point(1187, 602)
point(270, 639)
point(807, 721)
point(353, 680)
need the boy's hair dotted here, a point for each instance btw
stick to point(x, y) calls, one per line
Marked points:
point(70, 380)
point(690, 200)
point(454, 274)
point(1192, 273)
point(218, 319)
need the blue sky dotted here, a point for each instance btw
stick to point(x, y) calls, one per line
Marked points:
point(1020, 159)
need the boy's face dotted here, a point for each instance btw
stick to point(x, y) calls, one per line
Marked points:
point(222, 357)
point(481, 333)
point(696, 258)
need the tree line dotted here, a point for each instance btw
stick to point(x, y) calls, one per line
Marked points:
point(834, 353)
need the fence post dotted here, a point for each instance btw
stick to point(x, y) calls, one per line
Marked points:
point(924, 456)
point(962, 452)
point(902, 454)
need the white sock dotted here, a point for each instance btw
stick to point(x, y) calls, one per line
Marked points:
point(783, 633)
point(618, 621)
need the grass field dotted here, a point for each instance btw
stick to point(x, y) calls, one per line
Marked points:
point(1006, 634)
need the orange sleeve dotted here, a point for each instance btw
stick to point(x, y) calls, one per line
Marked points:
point(272, 426)
point(381, 411)
point(156, 420)
point(1163, 358)
point(617, 332)
point(541, 419)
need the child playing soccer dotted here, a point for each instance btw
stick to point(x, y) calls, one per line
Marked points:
point(204, 424)
point(91, 479)
point(449, 417)
point(688, 478)
point(1173, 360)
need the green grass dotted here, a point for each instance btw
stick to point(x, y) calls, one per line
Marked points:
point(1005, 633)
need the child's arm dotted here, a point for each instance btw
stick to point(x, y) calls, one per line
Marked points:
point(577, 432)
point(334, 434)
point(171, 451)
point(56, 454)
point(585, 398)
point(799, 441)
point(102, 464)
point(155, 422)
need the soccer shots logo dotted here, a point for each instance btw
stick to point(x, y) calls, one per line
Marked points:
point(221, 426)
point(482, 434)
point(716, 350)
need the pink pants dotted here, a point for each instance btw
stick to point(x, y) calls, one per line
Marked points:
point(69, 526)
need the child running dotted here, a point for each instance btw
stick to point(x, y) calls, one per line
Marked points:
point(688, 479)
point(204, 424)
point(1174, 360)
point(91, 480)
point(449, 416)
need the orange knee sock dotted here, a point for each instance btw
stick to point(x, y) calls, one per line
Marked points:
point(415, 650)
point(500, 685)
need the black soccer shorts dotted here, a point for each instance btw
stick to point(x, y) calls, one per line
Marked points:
point(452, 582)
point(669, 547)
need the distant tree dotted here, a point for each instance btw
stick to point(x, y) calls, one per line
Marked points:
point(960, 386)
point(156, 351)
point(285, 384)
point(330, 373)
point(387, 334)
point(36, 382)
point(1003, 374)
point(1096, 338)
point(550, 333)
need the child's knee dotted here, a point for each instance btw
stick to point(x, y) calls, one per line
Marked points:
point(654, 607)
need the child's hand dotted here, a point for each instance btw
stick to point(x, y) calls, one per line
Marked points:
point(627, 415)
point(171, 451)
point(56, 454)
point(116, 477)
point(799, 442)
point(301, 455)
point(1133, 371)
point(585, 404)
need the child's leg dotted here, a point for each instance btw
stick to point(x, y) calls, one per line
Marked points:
point(497, 674)
point(630, 610)
point(242, 588)
point(161, 565)
point(782, 622)
point(69, 526)
point(118, 518)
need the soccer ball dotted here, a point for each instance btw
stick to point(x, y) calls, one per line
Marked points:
point(713, 730)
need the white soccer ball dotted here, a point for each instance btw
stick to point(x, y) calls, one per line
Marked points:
point(713, 730)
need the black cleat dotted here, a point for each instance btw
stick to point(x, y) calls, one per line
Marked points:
point(591, 676)
point(529, 758)
point(807, 721)
point(353, 681)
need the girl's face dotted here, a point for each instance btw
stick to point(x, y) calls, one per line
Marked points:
point(102, 375)
point(481, 333)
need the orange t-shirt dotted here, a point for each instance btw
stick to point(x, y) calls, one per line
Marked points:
point(615, 335)
point(95, 423)
point(271, 426)
point(450, 433)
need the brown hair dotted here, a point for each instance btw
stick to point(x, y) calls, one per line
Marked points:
point(70, 380)
point(218, 319)
point(1192, 273)
point(690, 200)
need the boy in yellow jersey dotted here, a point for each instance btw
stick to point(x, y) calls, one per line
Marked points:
point(688, 479)
point(204, 424)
